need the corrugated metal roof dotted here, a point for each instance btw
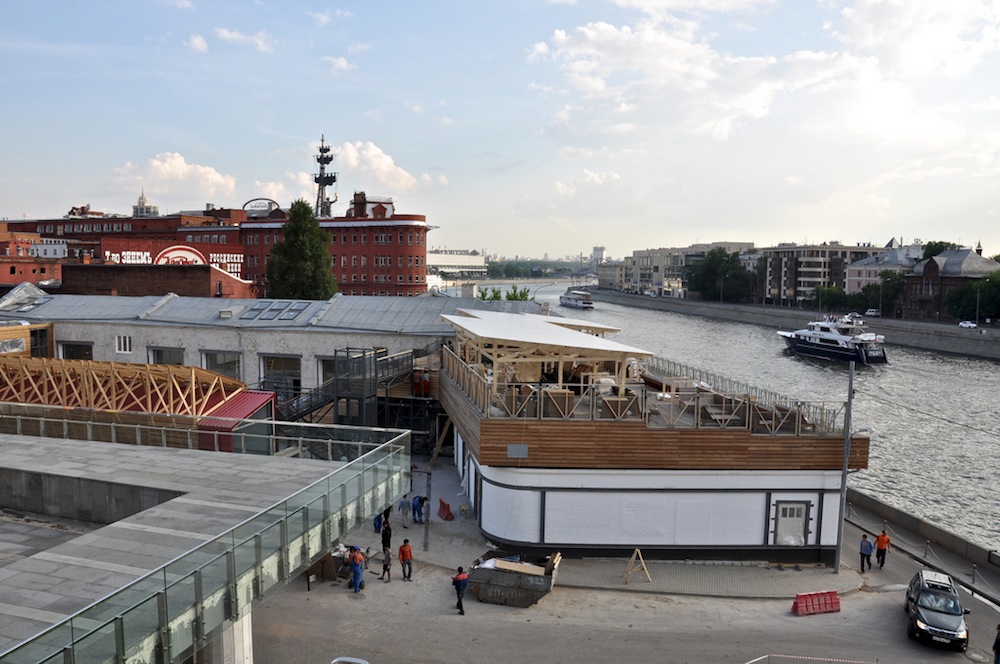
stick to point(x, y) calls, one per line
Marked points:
point(407, 315)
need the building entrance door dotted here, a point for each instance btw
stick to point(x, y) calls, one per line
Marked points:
point(790, 523)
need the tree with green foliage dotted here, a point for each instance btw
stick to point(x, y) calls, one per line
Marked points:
point(518, 295)
point(935, 247)
point(495, 294)
point(976, 301)
point(830, 298)
point(720, 277)
point(299, 264)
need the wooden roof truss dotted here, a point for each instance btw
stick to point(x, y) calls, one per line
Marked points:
point(149, 388)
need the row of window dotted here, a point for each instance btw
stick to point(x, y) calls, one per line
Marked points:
point(60, 229)
point(377, 238)
point(382, 278)
point(207, 238)
point(377, 261)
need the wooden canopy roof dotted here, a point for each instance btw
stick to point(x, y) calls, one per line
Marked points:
point(517, 345)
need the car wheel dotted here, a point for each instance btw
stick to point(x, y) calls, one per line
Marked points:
point(910, 631)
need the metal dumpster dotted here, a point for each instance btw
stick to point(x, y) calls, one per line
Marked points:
point(513, 583)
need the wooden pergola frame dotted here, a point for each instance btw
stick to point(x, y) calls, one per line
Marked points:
point(502, 354)
point(114, 386)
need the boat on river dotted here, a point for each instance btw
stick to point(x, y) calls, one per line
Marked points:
point(839, 338)
point(576, 299)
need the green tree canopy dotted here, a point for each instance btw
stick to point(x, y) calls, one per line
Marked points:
point(299, 264)
point(979, 299)
point(935, 247)
point(721, 277)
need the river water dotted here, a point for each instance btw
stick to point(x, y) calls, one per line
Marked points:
point(935, 446)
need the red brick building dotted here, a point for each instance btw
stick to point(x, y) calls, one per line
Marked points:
point(198, 280)
point(18, 264)
point(373, 250)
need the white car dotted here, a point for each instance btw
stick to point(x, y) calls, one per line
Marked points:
point(967, 323)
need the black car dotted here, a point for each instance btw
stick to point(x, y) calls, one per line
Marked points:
point(935, 610)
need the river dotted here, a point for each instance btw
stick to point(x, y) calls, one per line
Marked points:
point(935, 445)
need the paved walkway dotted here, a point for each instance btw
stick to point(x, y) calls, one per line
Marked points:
point(459, 542)
point(448, 544)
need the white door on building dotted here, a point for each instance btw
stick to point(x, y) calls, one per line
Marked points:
point(790, 523)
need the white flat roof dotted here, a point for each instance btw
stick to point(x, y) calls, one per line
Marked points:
point(538, 331)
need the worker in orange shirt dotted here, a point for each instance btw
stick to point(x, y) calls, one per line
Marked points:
point(357, 568)
point(882, 545)
point(406, 560)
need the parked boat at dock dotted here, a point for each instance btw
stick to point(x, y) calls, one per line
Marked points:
point(576, 299)
point(842, 339)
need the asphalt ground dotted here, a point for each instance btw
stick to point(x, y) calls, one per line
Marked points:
point(685, 611)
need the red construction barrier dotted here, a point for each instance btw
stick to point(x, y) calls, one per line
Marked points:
point(825, 601)
point(444, 511)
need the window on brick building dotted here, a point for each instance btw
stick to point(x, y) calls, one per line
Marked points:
point(173, 356)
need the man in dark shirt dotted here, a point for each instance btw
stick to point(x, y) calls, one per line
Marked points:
point(461, 582)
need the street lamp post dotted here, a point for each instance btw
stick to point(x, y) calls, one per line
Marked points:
point(848, 434)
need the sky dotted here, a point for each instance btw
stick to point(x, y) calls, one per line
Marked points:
point(520, 128)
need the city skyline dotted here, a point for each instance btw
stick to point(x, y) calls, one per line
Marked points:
point(524, 128)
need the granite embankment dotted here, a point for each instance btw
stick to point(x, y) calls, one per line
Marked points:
point(939, 337)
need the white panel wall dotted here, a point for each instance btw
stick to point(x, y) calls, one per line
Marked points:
point(644, 518)
point(513, 515)
point(645, 508)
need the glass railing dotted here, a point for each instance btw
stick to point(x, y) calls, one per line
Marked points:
point(175, 610)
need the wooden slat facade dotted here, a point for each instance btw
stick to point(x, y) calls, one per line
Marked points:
point(604, 444)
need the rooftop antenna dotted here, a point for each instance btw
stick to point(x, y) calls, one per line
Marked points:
point(324, 179)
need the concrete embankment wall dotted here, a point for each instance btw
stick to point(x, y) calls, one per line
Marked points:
point(940, 337)
point(936, 536)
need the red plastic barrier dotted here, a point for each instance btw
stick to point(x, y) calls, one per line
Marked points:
point(826, 601)
point(444, 511)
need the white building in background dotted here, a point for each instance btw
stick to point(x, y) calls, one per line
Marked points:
point(444, 265)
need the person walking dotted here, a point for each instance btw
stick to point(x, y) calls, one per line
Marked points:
point(386, 564)
point(996, 647)
point(406, 560)
point(461, 582)
point(357, 572)
point(882, 545)
point(867, 549)
point(386, 536)
point(405, 509)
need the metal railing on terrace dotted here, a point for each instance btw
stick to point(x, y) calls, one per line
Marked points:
point(245, 436)
point(687, 398)
point(168, 614)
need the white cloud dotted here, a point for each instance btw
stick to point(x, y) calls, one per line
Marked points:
point(414, 107)
point(322, 19)
point(259, 40)
point(915, 38)
point(359, 47)
point(337, 64)
point(368, 159)
point(179, 4)
point(168, 174)
point(197, 44)
point(276, 191)
point(446, 121)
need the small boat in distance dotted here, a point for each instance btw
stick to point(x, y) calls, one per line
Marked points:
point(577, 299)
point(839, 338)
